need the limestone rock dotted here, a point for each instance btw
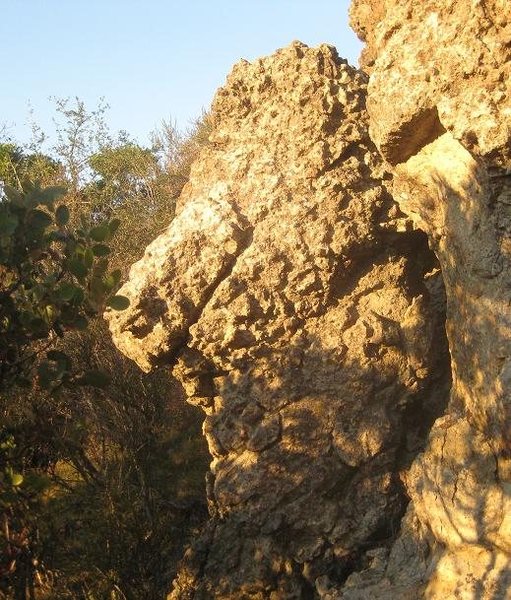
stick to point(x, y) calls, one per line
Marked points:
point(449, 140)
point(437, 66)
point(290, 298)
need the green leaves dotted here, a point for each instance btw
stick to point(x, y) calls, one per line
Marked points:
point(77, 267)
point(111, 282)
point(56, 371)
point(48, 196)
point(66, 291)
point(38, 219)
point(100, 233)
point(100, 250)
point(53, 278)
point(62, 215)
point(114, 225)
point(16, 479)
point(105, 231)
point(8, 223)
point(118, 302)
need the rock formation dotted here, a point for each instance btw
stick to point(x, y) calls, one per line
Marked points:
point(297, 300)
point(303, 313)
point(448, 139)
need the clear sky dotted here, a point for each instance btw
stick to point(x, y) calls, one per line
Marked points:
point(149, 59)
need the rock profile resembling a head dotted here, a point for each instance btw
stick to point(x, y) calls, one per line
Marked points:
point(302, 312)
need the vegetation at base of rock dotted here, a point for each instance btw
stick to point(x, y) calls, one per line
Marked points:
point(101, 467)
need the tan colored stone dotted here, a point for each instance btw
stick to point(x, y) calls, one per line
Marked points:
point(310, 344)
point(437, 66)
point(439, 103)
point(469, 573)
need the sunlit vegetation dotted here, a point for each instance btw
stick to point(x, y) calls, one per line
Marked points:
point(101, 466)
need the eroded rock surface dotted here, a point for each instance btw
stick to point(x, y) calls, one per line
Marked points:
point(449, 141)
point(437, 65)
point(304, 314)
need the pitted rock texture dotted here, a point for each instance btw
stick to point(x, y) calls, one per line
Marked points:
point(305, 316)
point(453, 179)
point(435, 66)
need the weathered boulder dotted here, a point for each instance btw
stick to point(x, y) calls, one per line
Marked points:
point(305, 316)
point(449, 139)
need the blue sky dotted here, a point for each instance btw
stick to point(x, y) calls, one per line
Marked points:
point(149, 59)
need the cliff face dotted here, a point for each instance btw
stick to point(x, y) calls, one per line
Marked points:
point(297, 300)
point(449, 141)
point(435, 66)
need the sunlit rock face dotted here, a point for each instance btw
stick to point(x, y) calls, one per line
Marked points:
point(305, 316)
point(448, 139)
point(437, 65)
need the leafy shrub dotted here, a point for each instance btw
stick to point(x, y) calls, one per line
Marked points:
point(52, 279)
point(99, 487)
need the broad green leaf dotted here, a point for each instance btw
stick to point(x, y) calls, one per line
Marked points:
point(16, 479)
point(100, 233)
point(57, 236)
point(39, 292)
point(66, 291)
point(114, 225)
point(48, 195)
point(49, 312)
point(118, 302)
point(8, 443)
point(50, 279)
point(39, 219)
point(8, 223)
point(88, 258)
point(79, 296)
point(100, 250)
point(77, 268)
point(79, 249)
point(116, 276)
point(62, 215)
point(109, 283)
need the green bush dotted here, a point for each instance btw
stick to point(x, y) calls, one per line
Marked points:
point(100, 487)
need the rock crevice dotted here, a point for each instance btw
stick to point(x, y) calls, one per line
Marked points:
point(454, 188)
